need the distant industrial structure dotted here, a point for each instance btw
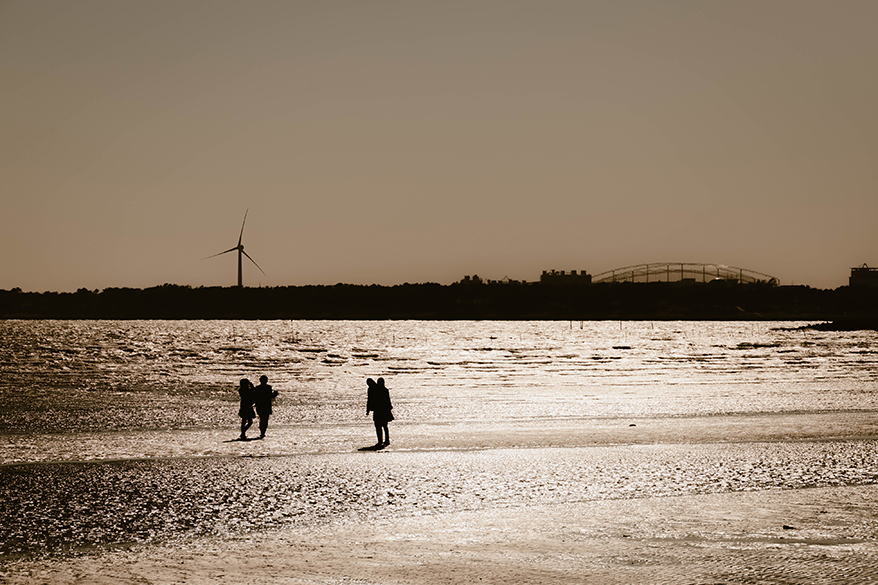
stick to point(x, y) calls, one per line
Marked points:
point(864, 276)
point(685, 273)
point(678, 273)
point(241, 253)
point(681, 273)
point(674, 272)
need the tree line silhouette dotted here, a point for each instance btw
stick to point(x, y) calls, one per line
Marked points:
point(469, 299)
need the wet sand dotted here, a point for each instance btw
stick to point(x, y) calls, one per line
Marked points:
point(495, 505)
point(816, 535)
point(291, 440)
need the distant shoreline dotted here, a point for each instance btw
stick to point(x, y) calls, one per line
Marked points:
point(848, 307)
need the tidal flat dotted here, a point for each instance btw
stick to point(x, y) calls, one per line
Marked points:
point(674, 452)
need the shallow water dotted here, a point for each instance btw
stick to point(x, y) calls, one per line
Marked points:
point(119, 432)
point(80, 376)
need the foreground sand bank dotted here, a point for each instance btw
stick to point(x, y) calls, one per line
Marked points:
point(821, 535)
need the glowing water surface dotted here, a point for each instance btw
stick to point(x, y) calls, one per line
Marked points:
point(121, 431)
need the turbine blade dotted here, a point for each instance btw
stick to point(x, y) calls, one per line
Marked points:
point(242, 226)
point(221, 253)
point(254, 262)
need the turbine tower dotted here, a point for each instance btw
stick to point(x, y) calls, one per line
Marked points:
point(241, 254)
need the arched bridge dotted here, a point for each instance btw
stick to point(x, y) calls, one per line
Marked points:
point(683, 272)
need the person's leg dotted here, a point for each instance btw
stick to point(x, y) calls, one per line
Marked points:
point(263, 425)
point(378, 431)
point(386, 434)
point(243, 427)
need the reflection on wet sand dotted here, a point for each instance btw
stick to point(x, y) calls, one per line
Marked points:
point(60, 508)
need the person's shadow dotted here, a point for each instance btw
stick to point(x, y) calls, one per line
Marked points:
point(240, 440)
point(372, 448)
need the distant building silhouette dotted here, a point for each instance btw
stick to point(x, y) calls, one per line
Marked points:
point(559, 277)
point(864, 276)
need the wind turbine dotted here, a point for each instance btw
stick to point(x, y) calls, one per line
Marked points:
point(241, 253)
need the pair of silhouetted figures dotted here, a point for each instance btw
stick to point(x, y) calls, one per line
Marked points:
point(259, 397)
point(378, 403)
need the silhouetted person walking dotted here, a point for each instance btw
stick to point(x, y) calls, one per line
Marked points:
point(264, 395)
point(245, 411)
point(378, 402)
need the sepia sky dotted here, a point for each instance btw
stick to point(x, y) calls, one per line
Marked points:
point(391, 142)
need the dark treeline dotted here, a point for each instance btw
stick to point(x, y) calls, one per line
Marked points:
point(463, 300)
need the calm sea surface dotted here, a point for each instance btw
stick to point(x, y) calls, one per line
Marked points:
point(121, 432)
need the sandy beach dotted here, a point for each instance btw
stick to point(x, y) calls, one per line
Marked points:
point(819, 535)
